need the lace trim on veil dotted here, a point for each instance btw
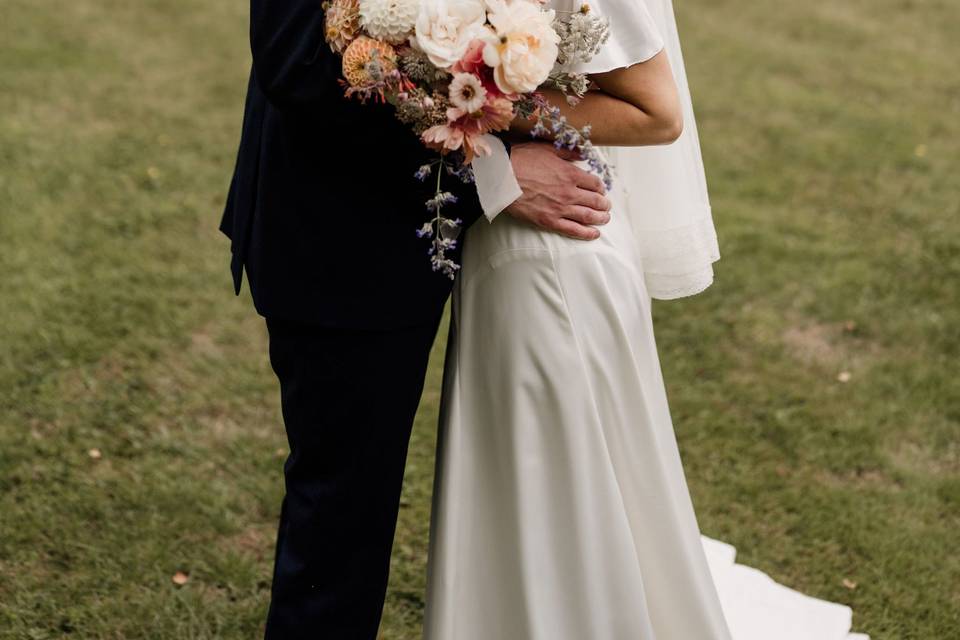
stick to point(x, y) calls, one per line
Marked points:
point(678, 262)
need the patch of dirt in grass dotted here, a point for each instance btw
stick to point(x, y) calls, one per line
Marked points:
point(833, 346)
point(217, 421)
point(203, 343)
point(256, 541)
point(813, 343)
point(868, 479)
point(925, 459)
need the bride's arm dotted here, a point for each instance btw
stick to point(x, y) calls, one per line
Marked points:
point(635, 106)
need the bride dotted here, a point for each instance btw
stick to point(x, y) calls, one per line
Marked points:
point(561, 511)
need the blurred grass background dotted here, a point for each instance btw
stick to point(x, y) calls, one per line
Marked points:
point(815, 387)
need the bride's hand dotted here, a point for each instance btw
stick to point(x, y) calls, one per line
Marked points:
point(557, 195)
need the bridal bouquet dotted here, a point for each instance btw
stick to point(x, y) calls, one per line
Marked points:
point(456, 70)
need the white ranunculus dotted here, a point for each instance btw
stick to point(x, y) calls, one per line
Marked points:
point(525, 47)
point(445, 29)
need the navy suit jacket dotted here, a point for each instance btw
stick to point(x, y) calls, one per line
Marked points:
point(323, 206)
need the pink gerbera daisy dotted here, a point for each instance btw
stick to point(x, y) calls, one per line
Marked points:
point(465, 129)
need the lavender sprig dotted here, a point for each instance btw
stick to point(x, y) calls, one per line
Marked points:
point(443, 231)
point(549, 120)
point(423, 172)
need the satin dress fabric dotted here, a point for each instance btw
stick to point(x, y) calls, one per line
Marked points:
point(758, 608)
point(561, 511)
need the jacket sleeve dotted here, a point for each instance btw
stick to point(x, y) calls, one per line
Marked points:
point(292, 63)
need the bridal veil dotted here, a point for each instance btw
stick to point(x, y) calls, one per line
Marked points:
point(662, 189)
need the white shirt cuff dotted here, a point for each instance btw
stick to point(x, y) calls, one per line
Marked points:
point(497, 187)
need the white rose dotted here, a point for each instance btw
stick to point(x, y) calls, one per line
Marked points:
point(445, 29)
point(524, 49)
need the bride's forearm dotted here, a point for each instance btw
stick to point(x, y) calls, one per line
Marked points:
point(613, 122)
point(635, 106)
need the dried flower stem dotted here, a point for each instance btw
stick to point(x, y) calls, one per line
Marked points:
point(443, 231)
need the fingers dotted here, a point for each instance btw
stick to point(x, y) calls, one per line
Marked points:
point(590, 200)
point(588, 181)
point(586, 216)
point(569, 172)
point(573, 229)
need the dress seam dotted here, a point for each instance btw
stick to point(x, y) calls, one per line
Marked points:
point(593, 398)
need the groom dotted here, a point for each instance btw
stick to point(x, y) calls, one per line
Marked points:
point(321, 213)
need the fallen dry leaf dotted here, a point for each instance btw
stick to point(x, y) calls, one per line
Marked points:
point(849, 584)
point(180, 578)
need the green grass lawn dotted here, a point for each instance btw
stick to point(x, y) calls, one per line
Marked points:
point(815, 387)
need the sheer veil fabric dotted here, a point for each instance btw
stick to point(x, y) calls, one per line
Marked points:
point(662, 189)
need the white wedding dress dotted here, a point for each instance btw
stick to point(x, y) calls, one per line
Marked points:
point(560, 510)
